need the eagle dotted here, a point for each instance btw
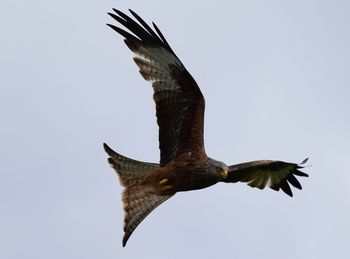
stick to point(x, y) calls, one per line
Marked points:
point(184, 164)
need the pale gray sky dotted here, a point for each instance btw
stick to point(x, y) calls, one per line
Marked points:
point(276, 79)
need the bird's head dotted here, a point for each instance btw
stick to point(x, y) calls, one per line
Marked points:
point(218, 168)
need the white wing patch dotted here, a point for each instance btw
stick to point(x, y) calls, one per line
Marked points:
point(154, 64)
point(158, 55)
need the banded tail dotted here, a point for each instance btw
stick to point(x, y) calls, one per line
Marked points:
point(138, 198)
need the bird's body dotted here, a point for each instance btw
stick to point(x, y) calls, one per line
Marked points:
point(185, 173)
point(188, 173)
point(184, 165)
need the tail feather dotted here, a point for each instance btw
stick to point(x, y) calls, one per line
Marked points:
point(137, 205)
point(138, 198)
point(129, 170)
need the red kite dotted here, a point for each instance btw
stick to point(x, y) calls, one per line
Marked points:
point(184, 165)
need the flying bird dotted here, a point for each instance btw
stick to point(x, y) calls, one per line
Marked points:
point(184, 164)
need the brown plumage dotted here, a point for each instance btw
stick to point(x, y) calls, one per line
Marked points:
point(184, 165)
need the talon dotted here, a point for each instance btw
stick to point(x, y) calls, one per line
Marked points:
point(166, 187)
point(164, 181)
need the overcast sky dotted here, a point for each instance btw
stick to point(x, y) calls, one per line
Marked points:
point(275, 75)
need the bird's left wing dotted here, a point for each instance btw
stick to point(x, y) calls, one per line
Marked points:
point(274, 174)
point(179, 101)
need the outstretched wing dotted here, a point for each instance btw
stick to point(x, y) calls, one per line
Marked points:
point(274, 174)
point(179, 101)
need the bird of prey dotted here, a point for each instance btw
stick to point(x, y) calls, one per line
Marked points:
point(184, 165)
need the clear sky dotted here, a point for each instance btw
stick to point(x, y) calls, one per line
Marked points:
point(275, 75)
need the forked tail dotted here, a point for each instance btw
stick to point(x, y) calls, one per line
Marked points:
point(138, 198)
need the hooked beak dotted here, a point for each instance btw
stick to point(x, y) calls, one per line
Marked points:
point(224, 173)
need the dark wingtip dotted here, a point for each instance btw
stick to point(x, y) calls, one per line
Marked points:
point(300, 173)
point(111, 26)
point(116, 10)
point(125, 240)
point(132, 12)
point(286, 188)
point(304, 161)
point(301, 165)
point(108, 150)
point(294, 181)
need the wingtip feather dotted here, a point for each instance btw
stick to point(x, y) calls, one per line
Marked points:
point(108, 150)
point(286, 188)
point(124, 241)
point(294, 181)
point(132, 12)
point(112, 26)
point(116, 10)
point(304, 161)
point(300, 173)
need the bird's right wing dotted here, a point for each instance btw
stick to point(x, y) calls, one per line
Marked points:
point(267, 173)
point(179, 101)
